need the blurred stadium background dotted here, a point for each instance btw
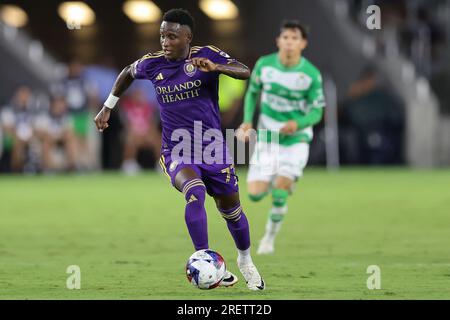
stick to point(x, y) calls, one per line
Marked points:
point(387, 90)
point(388, 104)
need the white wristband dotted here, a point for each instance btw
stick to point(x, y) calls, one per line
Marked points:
point(111, 101)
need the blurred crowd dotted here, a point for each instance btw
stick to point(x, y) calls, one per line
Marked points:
point(55, 132)
point(371, 122)
point(418, 30)
point(59, 134)
point(415, 28)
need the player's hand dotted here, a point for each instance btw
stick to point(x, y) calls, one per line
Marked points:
point(204, 64)
point(101, 120)
point(241, 132)
point(289, 128)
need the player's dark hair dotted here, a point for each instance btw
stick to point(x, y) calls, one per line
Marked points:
point(180, 16)
point(294, 24)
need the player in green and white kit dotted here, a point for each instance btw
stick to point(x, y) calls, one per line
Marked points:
point(292, 102)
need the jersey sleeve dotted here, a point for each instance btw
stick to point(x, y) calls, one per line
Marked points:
point(252, 94)
point(316, 98)
point(142, 68)
point(255, 83)
point(218, 56)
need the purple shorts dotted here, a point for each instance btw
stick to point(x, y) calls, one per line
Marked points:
point(219, 179)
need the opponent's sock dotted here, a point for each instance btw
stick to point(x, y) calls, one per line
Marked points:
point(258, 197)
point(277, 213)
point(195, 213)
point(274, 221)
point(238, 225)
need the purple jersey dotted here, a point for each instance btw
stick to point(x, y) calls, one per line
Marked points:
point(188, 98)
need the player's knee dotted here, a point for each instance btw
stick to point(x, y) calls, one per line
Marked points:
point(232, 214)
point(279, 197)
point(194, 190)
point(284, 184)
point(255, 197)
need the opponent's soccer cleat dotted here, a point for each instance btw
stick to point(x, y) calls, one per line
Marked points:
point(229, 280)
point(252, 276)
point(266, 246)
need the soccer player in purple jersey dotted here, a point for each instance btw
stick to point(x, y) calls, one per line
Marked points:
point(186, 83)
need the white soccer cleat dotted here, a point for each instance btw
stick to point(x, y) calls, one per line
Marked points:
point(228, 280)
point(252, 277)
point(266, 246)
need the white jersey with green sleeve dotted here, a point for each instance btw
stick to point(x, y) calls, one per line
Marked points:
point(287, 93)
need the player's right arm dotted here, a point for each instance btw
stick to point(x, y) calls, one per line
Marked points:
point(121, 84)
point(140, 69)
point(250, 100)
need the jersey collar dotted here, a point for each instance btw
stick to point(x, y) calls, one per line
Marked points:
point(298, 65)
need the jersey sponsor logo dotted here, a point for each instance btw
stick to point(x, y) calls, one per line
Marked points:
point(178, 92)
point(290, 80)
point(281, 104)
point(189, 69)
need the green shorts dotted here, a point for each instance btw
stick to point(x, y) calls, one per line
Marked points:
point(7, 142)
point(81, 122)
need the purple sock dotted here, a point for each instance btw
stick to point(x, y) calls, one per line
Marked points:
point(195, 213)
point(238, 225)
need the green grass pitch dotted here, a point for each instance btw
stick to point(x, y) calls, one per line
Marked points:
point(129, 238)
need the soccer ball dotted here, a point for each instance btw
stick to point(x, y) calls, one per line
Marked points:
point(205, 269)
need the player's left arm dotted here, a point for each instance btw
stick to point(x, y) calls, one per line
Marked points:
point(236, 69)
point(316, 103)
point(216, 60)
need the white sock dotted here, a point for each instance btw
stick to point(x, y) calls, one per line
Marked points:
point(244, 256)
point(272, 227)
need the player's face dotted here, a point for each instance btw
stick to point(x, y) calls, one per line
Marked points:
point(174, 39)
point(291, 42)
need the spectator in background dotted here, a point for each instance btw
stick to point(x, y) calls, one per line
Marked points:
point(101, 78)
point(141, 128)
point(372, 121)
point(423, 38)
point(55, 129)
point(17, 124)
point(78, 93)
